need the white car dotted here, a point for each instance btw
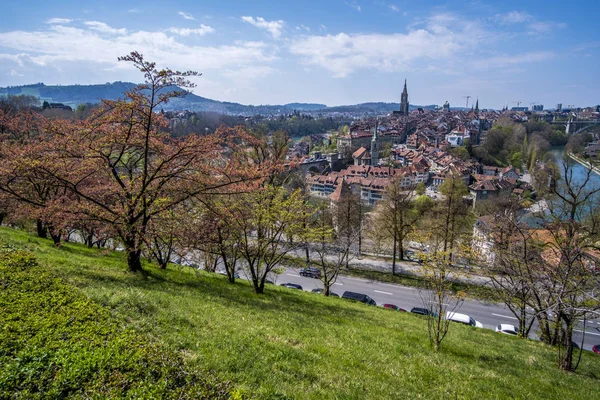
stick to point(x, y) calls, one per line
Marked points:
point(507, 329)
point(463, 319)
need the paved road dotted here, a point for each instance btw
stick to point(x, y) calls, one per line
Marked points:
point(489, 314)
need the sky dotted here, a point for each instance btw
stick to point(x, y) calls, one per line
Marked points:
point(331, 52)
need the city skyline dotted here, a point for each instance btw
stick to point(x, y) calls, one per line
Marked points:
point(341, 52)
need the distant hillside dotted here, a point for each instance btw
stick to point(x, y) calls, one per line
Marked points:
point(74, 95)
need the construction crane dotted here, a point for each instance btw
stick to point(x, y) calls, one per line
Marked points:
point(518, 103)
point(467, 97)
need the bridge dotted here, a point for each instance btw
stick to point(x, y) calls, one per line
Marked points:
point(574, 126)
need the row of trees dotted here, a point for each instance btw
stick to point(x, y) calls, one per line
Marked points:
point(116, 177)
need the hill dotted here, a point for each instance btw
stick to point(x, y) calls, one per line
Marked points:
point(292, 344)
point(74, 95)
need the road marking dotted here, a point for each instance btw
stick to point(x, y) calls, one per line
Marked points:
point(379, 291)
point(337, 283)
point(504, 316)
point(298, 276)
point(398, 286)
point(587, 333)
point(356, 279)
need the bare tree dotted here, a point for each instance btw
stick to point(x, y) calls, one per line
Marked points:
point(437, 296)
point(332, 251)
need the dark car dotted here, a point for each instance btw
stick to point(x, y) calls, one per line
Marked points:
point(421, 311)
point(311, 272)
point(320, 291)
point(393, 307)
point(291, 286)
point(363, 298)
point(596, 349)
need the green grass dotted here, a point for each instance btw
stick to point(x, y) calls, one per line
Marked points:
point(291, 344)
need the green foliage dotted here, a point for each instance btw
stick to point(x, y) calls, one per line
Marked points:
point(460, 152)
point(290, 344)
point(56, 343)
point(420, 189)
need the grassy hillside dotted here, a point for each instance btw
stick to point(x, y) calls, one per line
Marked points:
point(291, 344)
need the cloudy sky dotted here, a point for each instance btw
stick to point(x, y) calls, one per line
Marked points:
point(332, 52)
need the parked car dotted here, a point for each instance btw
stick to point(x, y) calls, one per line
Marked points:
point(393, 307)
point(421, 311)
point(462, 319)
point(596, 349)
point(311, 272)
point(363, 298)
point(507, 329)
point(235, 275)
point(320, 291)
point(291, 286)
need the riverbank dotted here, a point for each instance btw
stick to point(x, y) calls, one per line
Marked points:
point(583, 162)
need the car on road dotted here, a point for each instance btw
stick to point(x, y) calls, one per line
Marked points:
point(507, 329)
point(291, 286)
point(421, 311)
point(393, 307)
point(462, 319)
point(311, 272)
point(363, 298)
point(235, 275)
point(596, 349)
point(320, 291)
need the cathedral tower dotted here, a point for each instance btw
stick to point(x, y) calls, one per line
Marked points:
point(404, 101)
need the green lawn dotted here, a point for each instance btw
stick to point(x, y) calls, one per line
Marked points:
point(292, 344)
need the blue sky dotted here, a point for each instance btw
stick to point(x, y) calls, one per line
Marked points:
point(332, 52)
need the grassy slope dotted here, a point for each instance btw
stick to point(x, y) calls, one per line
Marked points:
point(288, 344)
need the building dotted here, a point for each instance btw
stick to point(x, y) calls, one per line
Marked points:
point(537, 107)
point(375, 148)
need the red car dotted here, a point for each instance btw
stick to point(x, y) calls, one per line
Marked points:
point(393, 307)
point(596, 349)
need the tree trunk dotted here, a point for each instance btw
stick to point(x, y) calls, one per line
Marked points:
point(326, 290)
point(41, 229)
point(134, 258)
point(2, 215)
point(394, 255)
point(56, 238)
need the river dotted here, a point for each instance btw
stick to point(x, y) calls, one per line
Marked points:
point(579, 171)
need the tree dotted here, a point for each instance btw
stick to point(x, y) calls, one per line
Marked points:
point(263, 222)
point(420, 189)
point(569, 276)
point(332, 251)
point(348, 215)
point(396, 216)
point(437, 296)
point(449, 219)
point(125, 172)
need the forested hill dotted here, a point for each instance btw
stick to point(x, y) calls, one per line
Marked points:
point(73, 95)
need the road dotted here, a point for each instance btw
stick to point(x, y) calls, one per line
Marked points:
point(489, 314)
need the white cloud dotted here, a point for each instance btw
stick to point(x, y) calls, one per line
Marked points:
point(394, 8)
point(505, 60)
point(354, 5)
point(513, 17)
point(59, 21)
point(134, 10)
point(104, 28)
point(60, 44)
point(186, 15)
point(540, 27)
point(203, 30)
point(13, 72)
point(273, 27)
point(345, 53)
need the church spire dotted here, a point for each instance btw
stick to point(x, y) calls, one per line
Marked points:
point(404, 100)
point(477, 106)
